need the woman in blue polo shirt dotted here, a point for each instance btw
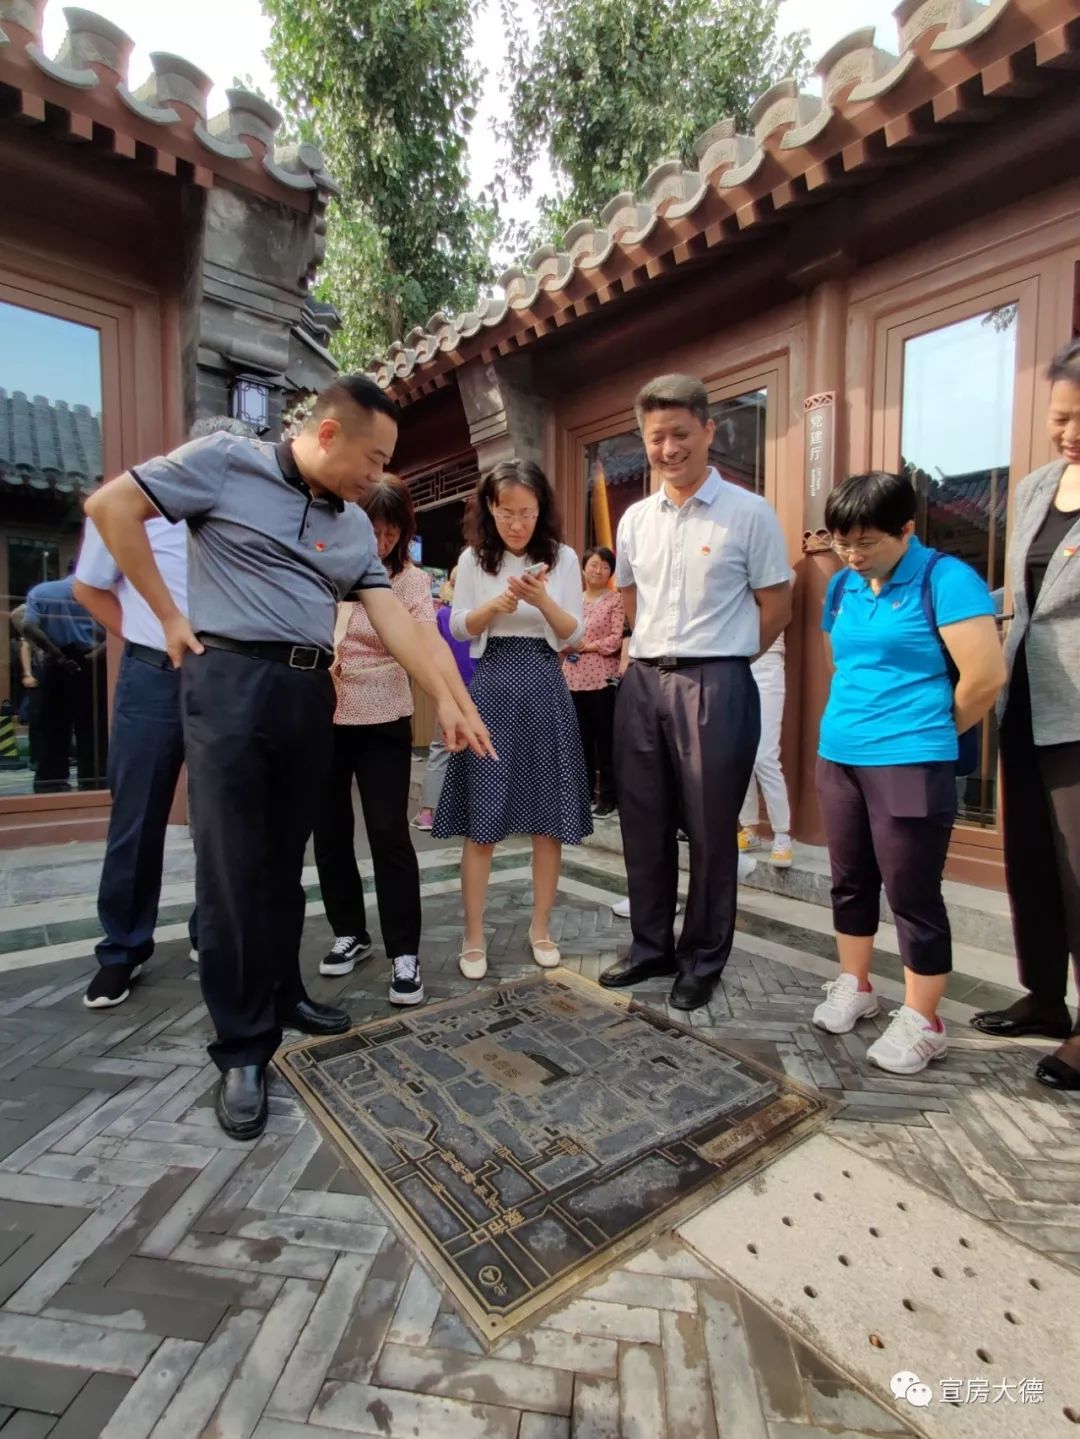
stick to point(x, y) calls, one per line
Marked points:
point(897, 614)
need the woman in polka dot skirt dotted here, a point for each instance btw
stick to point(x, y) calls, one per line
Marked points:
point(518, 601)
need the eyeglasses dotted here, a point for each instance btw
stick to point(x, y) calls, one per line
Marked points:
point(510, 517)
point(865, 547)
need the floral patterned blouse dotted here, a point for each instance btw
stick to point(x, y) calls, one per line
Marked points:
point(604, 622)
point(372, 688)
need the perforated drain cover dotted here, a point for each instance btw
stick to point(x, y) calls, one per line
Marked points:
point(888, 1280)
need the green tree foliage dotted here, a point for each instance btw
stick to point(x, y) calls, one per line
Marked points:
point(607, 88)
point(386, 88)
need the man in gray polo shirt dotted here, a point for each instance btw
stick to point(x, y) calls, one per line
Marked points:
point(704, 574)
point(275, 544)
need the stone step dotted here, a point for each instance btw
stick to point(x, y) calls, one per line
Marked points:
point(979, 917)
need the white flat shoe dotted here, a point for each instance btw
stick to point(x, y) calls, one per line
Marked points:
point(473, 963)
point(545, 952)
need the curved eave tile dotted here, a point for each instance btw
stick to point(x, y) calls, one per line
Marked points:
point(287, 177)
point(79, 79)
point(495, 311)
point(854, 41)
point(801, 135)
point(875, 89)
point(974, 30)
point(741, 174)
point(227, 149)
point(156, 114)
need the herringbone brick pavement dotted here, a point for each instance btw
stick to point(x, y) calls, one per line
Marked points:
point(157, 1279)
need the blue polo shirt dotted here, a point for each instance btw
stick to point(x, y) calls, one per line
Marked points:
point(891, 699)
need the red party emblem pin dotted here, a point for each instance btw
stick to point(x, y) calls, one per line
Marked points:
point(319, 545)
point(705, 550)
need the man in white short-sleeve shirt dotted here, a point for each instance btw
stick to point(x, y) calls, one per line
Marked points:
point(705, 578)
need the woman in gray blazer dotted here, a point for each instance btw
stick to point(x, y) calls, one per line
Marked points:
point(1039, 712)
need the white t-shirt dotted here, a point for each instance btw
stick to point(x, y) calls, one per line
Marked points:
point(474, 588)
point(97, 568)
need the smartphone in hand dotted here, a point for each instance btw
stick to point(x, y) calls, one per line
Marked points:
point(535, 570)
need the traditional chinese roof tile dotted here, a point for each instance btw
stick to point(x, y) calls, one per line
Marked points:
point(956, 60)
point(46, 446)
point(163, 123)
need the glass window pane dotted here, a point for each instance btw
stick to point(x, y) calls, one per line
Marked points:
point(53, 727)
point(738, 450)
point(956, 442)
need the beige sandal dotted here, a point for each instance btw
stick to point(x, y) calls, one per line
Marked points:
point(473, 963)
point(545, 952)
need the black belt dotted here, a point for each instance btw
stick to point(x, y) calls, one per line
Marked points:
point(297, 657)
point(688, 662)
point(148, 655)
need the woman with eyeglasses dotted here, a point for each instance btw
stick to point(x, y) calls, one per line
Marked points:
point(518, 601)
point(917, 664)
point(1040, 740)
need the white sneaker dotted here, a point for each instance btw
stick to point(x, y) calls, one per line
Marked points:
point(845, 1004)
point(193, 955)
point(746, 867)
point(344, 953)
point(781, 856)
point(909, 1044)
point(621, 909)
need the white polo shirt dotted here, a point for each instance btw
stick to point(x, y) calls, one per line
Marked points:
point(695, 566)
point(97, 568)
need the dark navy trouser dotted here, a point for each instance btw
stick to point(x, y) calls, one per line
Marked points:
point(146, 755)
point(685, 742)
point(890, 825)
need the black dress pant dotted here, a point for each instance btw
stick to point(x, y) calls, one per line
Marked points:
point(1040, 811)
point(685, 742)
point(257, 735)
point(379, 758)
point(74, 707)
point(596, 721)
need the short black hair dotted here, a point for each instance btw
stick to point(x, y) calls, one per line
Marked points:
point(673, 392)
point(602, 553)
point(358, 390)
point(1066, 363)
point(875, 501)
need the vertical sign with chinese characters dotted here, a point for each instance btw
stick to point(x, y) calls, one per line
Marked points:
point(819, 415)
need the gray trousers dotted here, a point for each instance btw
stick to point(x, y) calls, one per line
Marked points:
point(685, 742)
point(435, 770)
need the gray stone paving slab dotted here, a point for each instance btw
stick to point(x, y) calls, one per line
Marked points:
point(200, 1392)
point(92, 1106)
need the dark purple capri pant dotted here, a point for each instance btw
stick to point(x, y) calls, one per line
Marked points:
point(890, 824)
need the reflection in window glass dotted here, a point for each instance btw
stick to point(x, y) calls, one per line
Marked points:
point(956, 442)
point(617, 472)
point(53, 727)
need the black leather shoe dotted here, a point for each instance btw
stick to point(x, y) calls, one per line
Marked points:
point(240, 1102)
point(1056, 1074)
point(1004, 1025)
point(311, 1018)
point(690, 993)
point(626, 972)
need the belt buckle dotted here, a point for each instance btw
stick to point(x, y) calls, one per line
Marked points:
point(668, 662)
point(296, 664)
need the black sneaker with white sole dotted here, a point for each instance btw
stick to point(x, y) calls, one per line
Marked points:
point(111, 985)
point(344, 954)
point(406, 985)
